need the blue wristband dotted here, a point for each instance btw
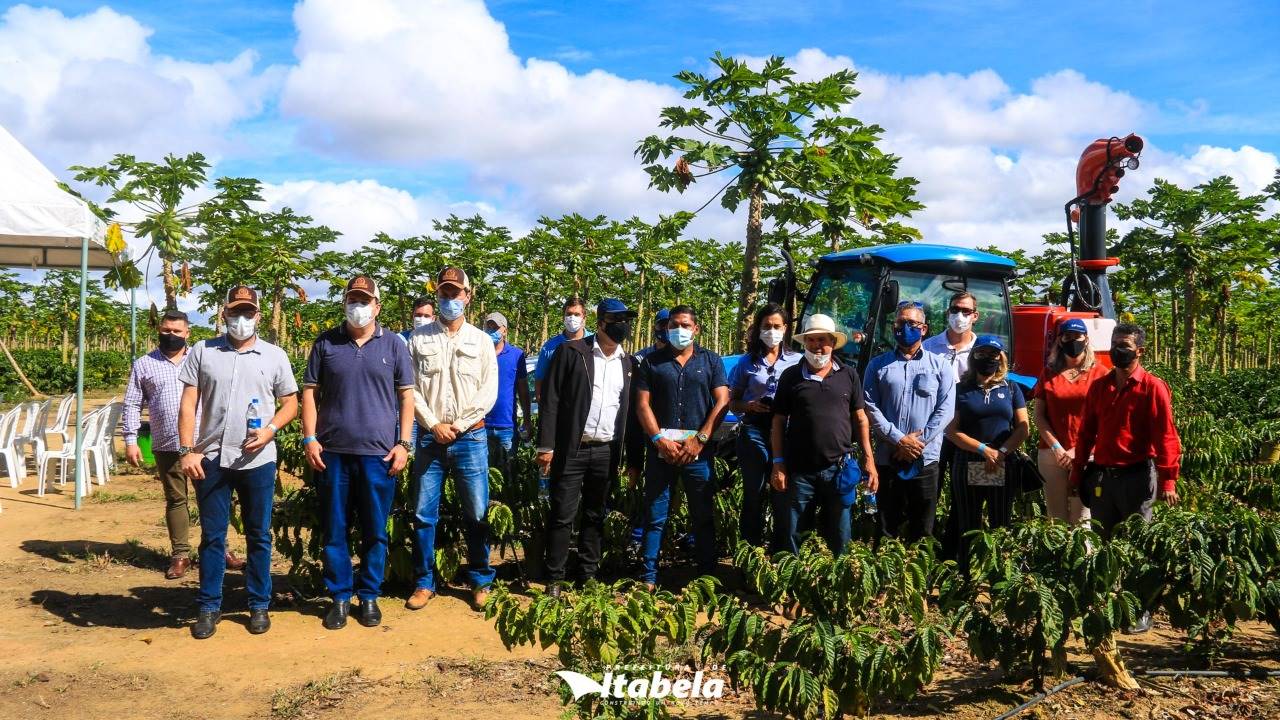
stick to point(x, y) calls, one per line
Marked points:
point(982, 447)
point(779, 461)
point(655, 438)
point(1056, 445)
point(308, 439)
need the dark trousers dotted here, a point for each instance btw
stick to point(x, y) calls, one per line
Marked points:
point(255, 488)
point(176, 516)
point(911, 502)
point(360, 483)
point(756, 460)
point(583, 481)
point(802, 490)
point(968, 503)
point(1126, 491)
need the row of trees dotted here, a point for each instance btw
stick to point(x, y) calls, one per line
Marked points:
point(813, 179)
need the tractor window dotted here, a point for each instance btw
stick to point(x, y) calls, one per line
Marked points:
point(993, 306)
point(845, 293)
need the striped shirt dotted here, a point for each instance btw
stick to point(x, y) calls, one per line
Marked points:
point(153, 382)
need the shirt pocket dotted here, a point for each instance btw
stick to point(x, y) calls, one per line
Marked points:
point(429, 361)
point(925, 385)
point(467, 363)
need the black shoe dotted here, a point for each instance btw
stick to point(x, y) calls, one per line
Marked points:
point(336, 619)
point(370, 615)
point(259, 621)
point(206, 625)
point(554, 589)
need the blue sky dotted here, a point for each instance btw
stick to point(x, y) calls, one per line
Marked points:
point(385, 114)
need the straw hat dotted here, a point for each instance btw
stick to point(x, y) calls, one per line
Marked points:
point(821, 325)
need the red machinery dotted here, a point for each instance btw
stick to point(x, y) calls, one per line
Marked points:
point(1085, 293)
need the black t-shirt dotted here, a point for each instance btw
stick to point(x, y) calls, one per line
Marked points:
point(987, 415)
point(819, 429)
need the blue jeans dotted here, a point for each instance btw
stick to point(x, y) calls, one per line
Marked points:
point(802, 490)
point(256, 488)
point(503, 436)
point(756, 460)
point(699, 493)
point(359, 483)
point(467, 458)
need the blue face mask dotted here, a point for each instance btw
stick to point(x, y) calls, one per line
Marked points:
point(908, 335)
point(451, 309)
point(680, 338)
point(495, 336)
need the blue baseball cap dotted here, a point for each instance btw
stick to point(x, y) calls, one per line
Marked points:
point(614, 306)
point(991, 341)
point(662, 316)
point(1073, 325)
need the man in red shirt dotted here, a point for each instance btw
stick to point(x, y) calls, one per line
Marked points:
point(1128, 430)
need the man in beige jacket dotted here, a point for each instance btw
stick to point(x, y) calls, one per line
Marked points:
point(456, 385)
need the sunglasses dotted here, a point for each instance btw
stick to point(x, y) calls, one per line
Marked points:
point(911, 303)
point(963, 311)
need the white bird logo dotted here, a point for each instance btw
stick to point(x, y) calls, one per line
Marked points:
point(580, 684)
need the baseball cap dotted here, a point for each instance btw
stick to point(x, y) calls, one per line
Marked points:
point(453, 276)
point(496, 318)
point(241, 295)
point(1073, 325)
point(364, 285)
point(613, 306)
point(663, 315)
point(989, 341)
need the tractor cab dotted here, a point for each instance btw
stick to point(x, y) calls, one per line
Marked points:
point(861, 289)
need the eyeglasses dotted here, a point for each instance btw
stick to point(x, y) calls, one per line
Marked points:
point(908, 323)
point(963, 311)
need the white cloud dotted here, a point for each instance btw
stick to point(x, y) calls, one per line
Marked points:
point(82, 88)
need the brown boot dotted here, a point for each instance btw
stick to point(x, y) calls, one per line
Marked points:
point(420, 598)
point(478, 596)
point(233, 562)
point(177, 567)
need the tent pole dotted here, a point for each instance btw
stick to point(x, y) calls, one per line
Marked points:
point(84, 291)
point(133, 324)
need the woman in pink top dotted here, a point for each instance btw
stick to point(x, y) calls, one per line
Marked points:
point(1059, 406)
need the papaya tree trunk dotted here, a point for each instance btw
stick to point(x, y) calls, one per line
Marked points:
point(170, 284)
point(750, 266)
point(1192, 309)
point(277, 313)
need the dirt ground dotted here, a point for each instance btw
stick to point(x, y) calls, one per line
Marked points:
point(89, 628)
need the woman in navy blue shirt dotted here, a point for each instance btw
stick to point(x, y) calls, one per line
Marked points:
point(752, 385)
point(990, 422)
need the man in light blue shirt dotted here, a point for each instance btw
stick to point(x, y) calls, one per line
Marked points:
point(910, 399)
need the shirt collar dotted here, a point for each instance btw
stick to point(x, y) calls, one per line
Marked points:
point(897, 352)
point(224, 343)
point(599, 352)
point(804, 370)
point(377, 329)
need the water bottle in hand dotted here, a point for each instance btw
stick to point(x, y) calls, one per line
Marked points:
point(253, 416)
point(869, 506)
point(544, 485)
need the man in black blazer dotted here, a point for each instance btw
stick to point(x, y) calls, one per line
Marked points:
point(583, 428)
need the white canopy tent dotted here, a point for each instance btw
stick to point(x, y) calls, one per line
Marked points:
point(41, 227)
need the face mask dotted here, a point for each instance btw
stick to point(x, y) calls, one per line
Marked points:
point(359, 314)
point(241, 327)
point(1073, 348)
point(616, 331)
point(451, 309)
point(572, 323)
point(959, 322)
point(817, 360)
point(1123, 358)
point(171, 343)
point(419, 321)
point(908, 335)
point(986, 365)
point(660, 335)
point(680, 338)
point(772, 337)
point(495, 336)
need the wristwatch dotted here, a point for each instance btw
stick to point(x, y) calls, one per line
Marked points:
point(408, 446)
point(185, 450)
point(703, 438)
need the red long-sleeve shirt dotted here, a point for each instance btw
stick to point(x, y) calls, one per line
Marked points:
point(1129, 425)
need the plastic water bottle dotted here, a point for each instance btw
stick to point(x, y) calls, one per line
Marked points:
point(544, 485)
point(869, 506)
point(253, 416)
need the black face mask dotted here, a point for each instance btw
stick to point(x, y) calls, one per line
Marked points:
point(1123, 358)
point(617, 331)
point(1073, 348)
point(660, 336)
point(171, 343)
point(986, 365)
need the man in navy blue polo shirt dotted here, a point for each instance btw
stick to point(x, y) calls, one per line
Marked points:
point(357, 427)
point(681, 396)
point(513, 384)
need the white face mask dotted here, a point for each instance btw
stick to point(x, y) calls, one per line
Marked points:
point(959, 322)
point(419, 321)
point(359, 314)
point(771, 337)
point(240, 327)
point(817, 360)
point(572, 323)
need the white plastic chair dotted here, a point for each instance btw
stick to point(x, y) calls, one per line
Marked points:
point(105, 451)
point(13, 460)
point(90, 430)
point(32, 432)
point(62, 420)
